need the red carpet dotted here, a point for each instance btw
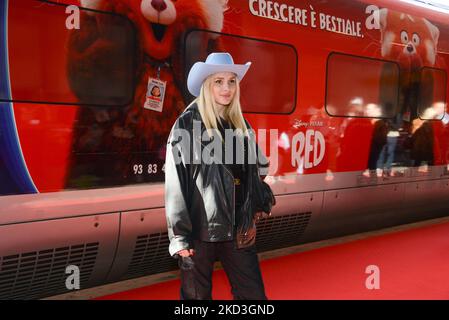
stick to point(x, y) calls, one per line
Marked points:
point(414, 264)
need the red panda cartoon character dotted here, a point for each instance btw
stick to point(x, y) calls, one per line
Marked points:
point(411, 42)
point(123, 49)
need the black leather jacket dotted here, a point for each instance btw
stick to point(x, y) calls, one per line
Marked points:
point(199, 197)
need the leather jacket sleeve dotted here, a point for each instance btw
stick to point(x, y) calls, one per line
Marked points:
point(262, 160)
point(177, 181)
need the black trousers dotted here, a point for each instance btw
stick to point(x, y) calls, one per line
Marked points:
point(241, 267)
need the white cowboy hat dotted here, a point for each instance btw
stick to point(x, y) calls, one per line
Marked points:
point(215, 62)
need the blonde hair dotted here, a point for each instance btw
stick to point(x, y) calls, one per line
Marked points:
point(208, 109)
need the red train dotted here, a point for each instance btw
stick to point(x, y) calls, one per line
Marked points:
point(352, 95)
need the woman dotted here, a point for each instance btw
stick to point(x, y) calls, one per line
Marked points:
point(204, 195)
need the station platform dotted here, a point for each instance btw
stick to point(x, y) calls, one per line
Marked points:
point(412, 262)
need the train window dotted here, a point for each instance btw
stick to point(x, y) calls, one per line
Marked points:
point(270, 85)
point(432, 97)
point(51, 63)
point(361, 87)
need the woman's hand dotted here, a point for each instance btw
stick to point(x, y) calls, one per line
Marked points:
point(261, 215)
point(186, 252)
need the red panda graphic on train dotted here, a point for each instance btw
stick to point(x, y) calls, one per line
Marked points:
point(127, 132)
point(411, 42)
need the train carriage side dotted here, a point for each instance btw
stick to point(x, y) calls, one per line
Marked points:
point(371, 83)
